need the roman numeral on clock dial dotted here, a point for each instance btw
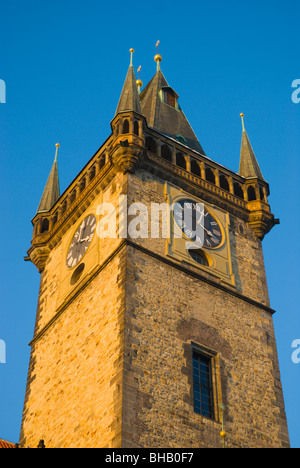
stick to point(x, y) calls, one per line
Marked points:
point(81, 241)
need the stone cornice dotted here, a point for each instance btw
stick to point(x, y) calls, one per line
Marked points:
point(196, 186)
point(127, 152)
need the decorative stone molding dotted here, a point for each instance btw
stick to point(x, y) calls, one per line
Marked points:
point(261, 220)
point(126, 157)
point(38, 255)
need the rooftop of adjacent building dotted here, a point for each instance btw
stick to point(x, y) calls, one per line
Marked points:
point(6, 444)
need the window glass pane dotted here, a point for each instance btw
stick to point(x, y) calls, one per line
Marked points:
point(205, 374)
point(205, 402)
point(195, 361)
point(197, 407)
point(197, 393)
point(202, 384)
point(206, 412)
point(196, 378)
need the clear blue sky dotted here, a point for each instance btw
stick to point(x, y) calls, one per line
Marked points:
point(64, 64)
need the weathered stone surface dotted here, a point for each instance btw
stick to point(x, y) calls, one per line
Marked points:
point(112, 367)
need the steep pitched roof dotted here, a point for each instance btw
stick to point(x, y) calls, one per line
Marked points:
point(129, 100)
point(52, 191)
point(162, 117)
point(248, 163)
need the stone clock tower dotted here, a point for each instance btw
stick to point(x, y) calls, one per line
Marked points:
point(153, 341)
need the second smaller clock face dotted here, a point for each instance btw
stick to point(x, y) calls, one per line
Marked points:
point(81, 241)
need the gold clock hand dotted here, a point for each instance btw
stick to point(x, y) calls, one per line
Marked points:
point(80, 234)
point(209, 232)
point(206, 230)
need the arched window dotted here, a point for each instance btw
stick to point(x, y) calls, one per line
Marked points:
point(125, 126)
point(261, 193)
point(195, 168)
point(151, 145)
point(101, 162)
point(209, 175)
point(136, 128)
point(251, 193)
point(224, 184)
point(73, 196)
point(55, 218)
point(92, 173)
point(82, 185)
point(64, 207)
point(45, 225)
point(180, 160)
point(238, 191)
point(166, 153)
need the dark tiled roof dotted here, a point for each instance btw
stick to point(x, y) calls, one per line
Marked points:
point(51, 192)
point(129, 100)
point(162, 117)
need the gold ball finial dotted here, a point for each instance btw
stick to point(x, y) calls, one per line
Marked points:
point(242, 115)
point(139, 82)
point(158, 57)
point(223, 434)
point(56, 152)
point(131, 55)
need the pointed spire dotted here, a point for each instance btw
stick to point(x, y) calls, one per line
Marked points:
point(51, 192)
point(160, 106)
point(129, 100)
point(248, 163)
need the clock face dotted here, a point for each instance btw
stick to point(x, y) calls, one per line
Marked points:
point(81, 241)
point(190, 215)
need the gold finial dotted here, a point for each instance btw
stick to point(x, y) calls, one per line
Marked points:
point(222, 433)
point(158, 57)
point(131, 55)
point(139, 81)
point(57, 146)
point(243, 123)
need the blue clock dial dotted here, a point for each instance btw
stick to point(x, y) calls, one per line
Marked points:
point(189, 215)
